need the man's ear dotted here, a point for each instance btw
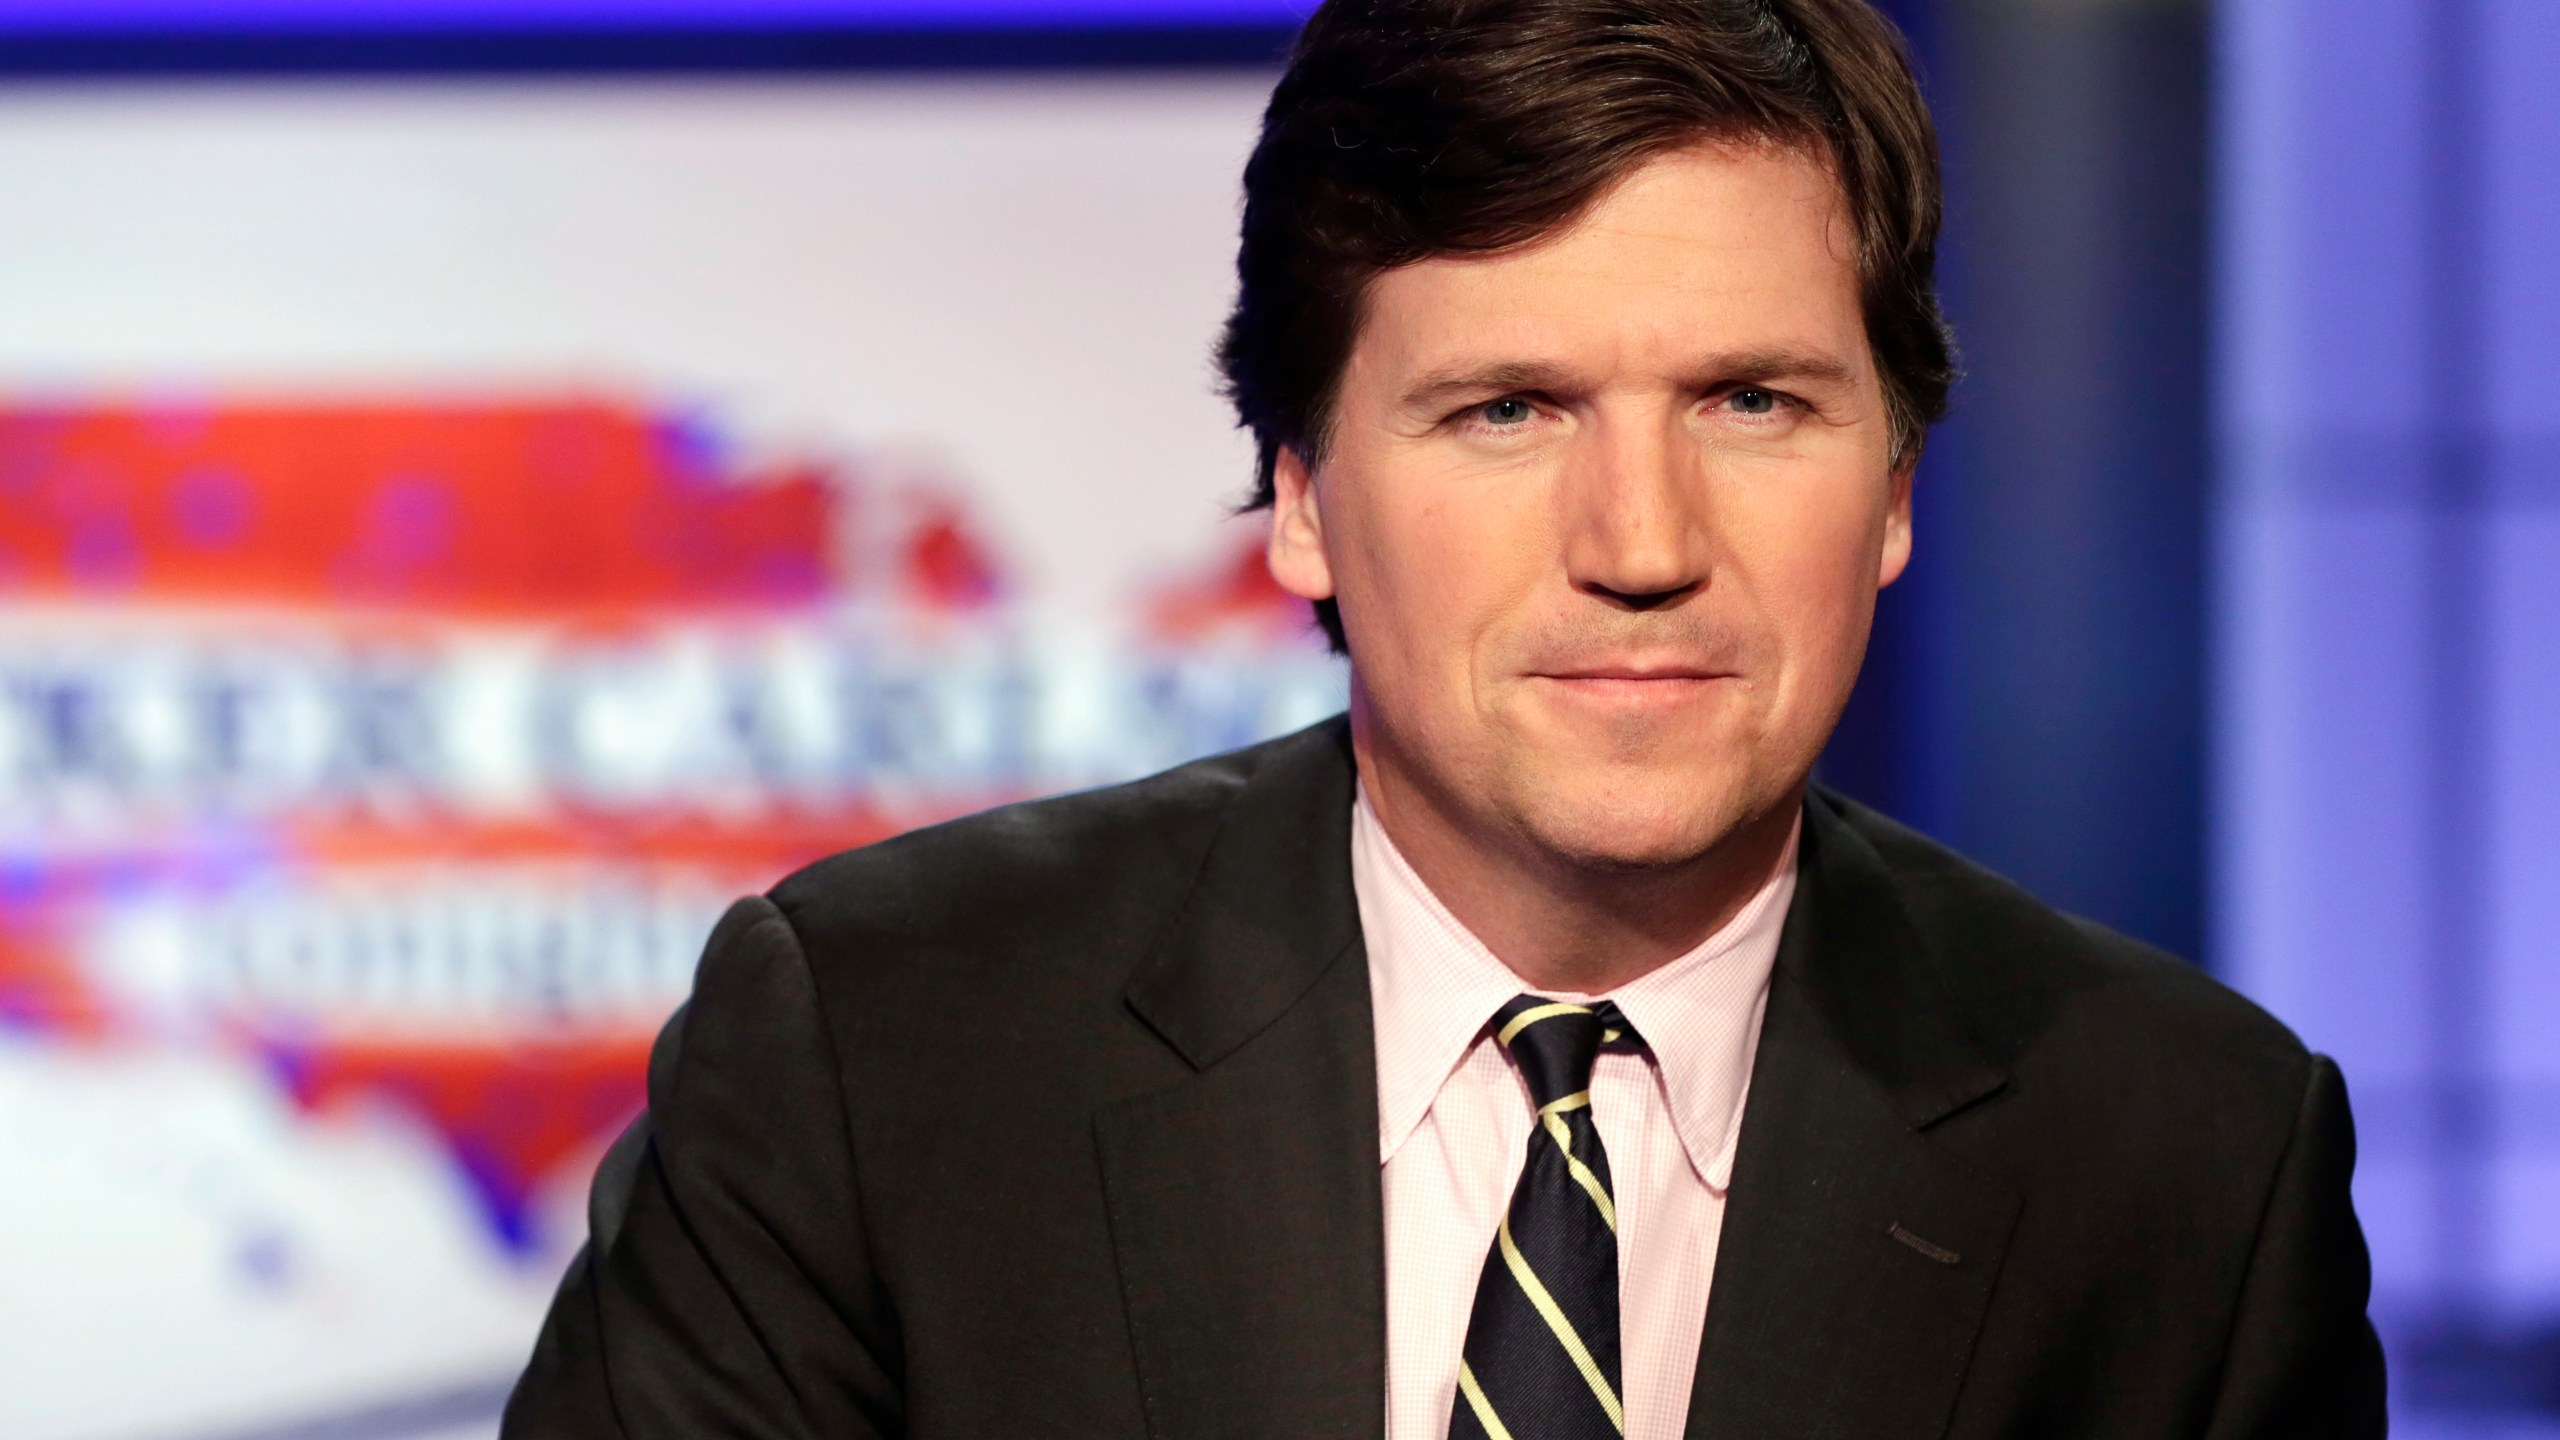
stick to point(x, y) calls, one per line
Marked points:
point(1296, 549)
point(1897, 524)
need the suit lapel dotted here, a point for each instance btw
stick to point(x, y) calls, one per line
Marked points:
point(1244, 1203)
point(1856, 1258)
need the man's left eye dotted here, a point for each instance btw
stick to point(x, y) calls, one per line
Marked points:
point(1755, 402)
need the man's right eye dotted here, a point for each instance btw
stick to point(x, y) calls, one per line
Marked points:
point(1510, 410)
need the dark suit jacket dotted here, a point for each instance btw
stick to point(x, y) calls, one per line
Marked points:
point(1062, 1121)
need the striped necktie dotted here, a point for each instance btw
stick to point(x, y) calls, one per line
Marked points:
point(1541, 1358)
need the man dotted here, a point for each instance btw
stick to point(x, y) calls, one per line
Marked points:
point(1532, 1054)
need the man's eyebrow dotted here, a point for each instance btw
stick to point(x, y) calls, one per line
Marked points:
point(1436, 387)
point(1751, 366)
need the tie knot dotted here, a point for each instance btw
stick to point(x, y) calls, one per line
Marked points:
point(1556, 1042)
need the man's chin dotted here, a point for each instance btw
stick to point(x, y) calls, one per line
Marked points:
point(1665, 825)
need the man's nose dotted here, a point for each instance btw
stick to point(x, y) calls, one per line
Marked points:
point(1633, 502)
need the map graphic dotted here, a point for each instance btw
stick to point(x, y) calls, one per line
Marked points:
point(409, 748)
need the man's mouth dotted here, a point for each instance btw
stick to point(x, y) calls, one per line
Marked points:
point(1636, 672)
point(1633, 684)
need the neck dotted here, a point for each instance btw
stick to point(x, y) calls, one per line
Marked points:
point(1563, 923)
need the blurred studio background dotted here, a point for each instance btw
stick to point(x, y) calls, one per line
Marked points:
point(484, 481)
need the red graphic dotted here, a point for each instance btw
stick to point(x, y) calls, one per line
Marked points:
point(511, 1115)
point(569, 514)
point(505, 509)
point(1237, 596)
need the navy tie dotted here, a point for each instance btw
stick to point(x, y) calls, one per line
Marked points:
point(1541, 1358)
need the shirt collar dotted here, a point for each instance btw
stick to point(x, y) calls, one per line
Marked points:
point(1433, 984)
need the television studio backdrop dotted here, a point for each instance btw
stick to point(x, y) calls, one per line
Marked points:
point(482, 482)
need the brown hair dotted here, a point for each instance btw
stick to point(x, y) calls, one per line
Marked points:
point(1410, 128)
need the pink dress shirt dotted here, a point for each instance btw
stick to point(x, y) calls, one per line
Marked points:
point(1454, 1120)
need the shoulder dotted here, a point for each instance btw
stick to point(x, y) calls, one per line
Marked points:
point(1092, 875)
point(2076, 1006)
point(1019, 863)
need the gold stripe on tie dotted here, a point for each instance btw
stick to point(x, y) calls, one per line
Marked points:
point(1533, 1015)
point(1554, 1315)
point(1474, 1392)
point(1582, 1174)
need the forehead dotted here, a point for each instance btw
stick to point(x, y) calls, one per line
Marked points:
point(1712, 247)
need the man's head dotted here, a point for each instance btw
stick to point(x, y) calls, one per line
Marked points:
point(1588, 345)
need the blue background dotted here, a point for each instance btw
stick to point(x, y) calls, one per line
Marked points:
point(181, 15)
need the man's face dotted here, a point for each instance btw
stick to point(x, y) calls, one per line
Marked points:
point(1606, 515)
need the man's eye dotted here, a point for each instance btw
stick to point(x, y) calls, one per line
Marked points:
point(1755, 402)
point(1510, 410)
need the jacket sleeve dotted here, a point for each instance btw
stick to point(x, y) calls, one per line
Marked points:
point(725, 1287)
point(2303, 1359)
